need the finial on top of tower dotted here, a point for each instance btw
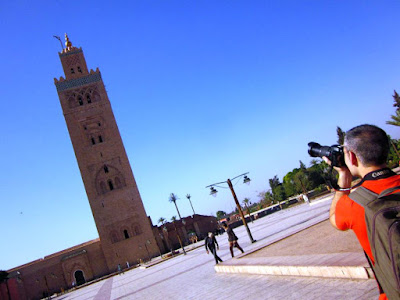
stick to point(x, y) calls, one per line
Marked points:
point(68, 44)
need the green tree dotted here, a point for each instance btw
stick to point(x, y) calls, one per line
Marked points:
point(274, 182)
point(162, 221)
point(220, 214)
point(302, 182)
point(393, 156)
point(173, 198)
point(289, 183)
point(246, 202)
point(278, 191)
point(266, 199)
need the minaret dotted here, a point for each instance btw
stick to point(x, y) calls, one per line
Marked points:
point(123, 226)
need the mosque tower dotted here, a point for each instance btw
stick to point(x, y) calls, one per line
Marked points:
point(123, 226)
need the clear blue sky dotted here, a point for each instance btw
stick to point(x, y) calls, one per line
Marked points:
point(202, 91)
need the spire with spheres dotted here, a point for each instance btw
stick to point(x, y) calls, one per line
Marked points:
point(68, 44)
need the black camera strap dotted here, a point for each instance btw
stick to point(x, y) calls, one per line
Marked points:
point(374, 175)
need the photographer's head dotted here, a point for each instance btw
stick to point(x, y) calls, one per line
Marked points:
point(369, 144)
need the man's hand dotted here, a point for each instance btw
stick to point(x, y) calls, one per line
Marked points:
point(345, 176)
point(344, 181)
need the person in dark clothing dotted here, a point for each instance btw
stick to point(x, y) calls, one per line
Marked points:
point(232, 238)
point(210, 244)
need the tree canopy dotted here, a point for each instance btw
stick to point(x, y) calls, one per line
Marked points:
point(220, 214)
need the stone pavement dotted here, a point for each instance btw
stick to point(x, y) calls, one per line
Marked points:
point(318, 251)
point(297, 236)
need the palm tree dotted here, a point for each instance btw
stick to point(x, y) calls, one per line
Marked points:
point(188, 196)
point(164, 235)
point(395, 119)
point(246, 202)
point(340, 134)
point(173, 198)
point(173, 219)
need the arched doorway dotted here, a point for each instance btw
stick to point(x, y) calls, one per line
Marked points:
point(79, 277)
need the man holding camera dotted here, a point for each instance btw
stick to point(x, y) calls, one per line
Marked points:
point(365, 151)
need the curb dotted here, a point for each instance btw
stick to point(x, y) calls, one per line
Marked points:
point(349, 272)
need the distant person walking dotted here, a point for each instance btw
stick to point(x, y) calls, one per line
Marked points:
point(210, 244)
point(232, 238)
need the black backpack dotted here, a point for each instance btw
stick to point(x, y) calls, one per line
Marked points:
point(382, 215)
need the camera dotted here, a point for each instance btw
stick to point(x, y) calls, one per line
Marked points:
point(334, 153)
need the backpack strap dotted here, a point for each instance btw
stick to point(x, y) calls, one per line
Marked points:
point(363, 196)
point(389, 191)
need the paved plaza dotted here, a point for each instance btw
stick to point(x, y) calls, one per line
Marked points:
point(193, 276)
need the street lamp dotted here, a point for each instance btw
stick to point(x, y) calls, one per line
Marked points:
point(213, 191)
point(246, 180)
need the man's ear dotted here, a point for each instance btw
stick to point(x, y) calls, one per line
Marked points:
point(353, 159)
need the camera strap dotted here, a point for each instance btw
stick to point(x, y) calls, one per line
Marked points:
point(374, 175)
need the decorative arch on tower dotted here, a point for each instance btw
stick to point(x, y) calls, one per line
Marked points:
point(108, 179)
point(83, 96)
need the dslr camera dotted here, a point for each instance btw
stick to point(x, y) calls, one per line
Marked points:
point(334, 153)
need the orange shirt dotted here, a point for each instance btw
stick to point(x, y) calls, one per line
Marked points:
point(350, 215)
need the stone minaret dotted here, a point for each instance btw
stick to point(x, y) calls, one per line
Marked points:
point(124, 228)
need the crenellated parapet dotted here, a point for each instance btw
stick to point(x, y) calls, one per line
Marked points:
point(62, 84)
point(92, 72)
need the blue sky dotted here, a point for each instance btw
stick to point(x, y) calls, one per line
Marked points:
point(202, 91)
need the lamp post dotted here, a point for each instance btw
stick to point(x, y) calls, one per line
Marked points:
point(246, 180)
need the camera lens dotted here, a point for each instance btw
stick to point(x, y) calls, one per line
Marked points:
point(316, 150)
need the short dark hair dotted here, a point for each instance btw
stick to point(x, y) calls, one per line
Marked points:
point(369, 143)
point(224, 224)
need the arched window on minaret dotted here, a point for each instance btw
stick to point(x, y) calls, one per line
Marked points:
point(71, 102)
point(80, 100)
point(126, 234)
point(100, 139)
point(79, 69)
point(93, 141)
point(89, 100)
point(72, 71)
point(110, 185)
point(105, 169)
